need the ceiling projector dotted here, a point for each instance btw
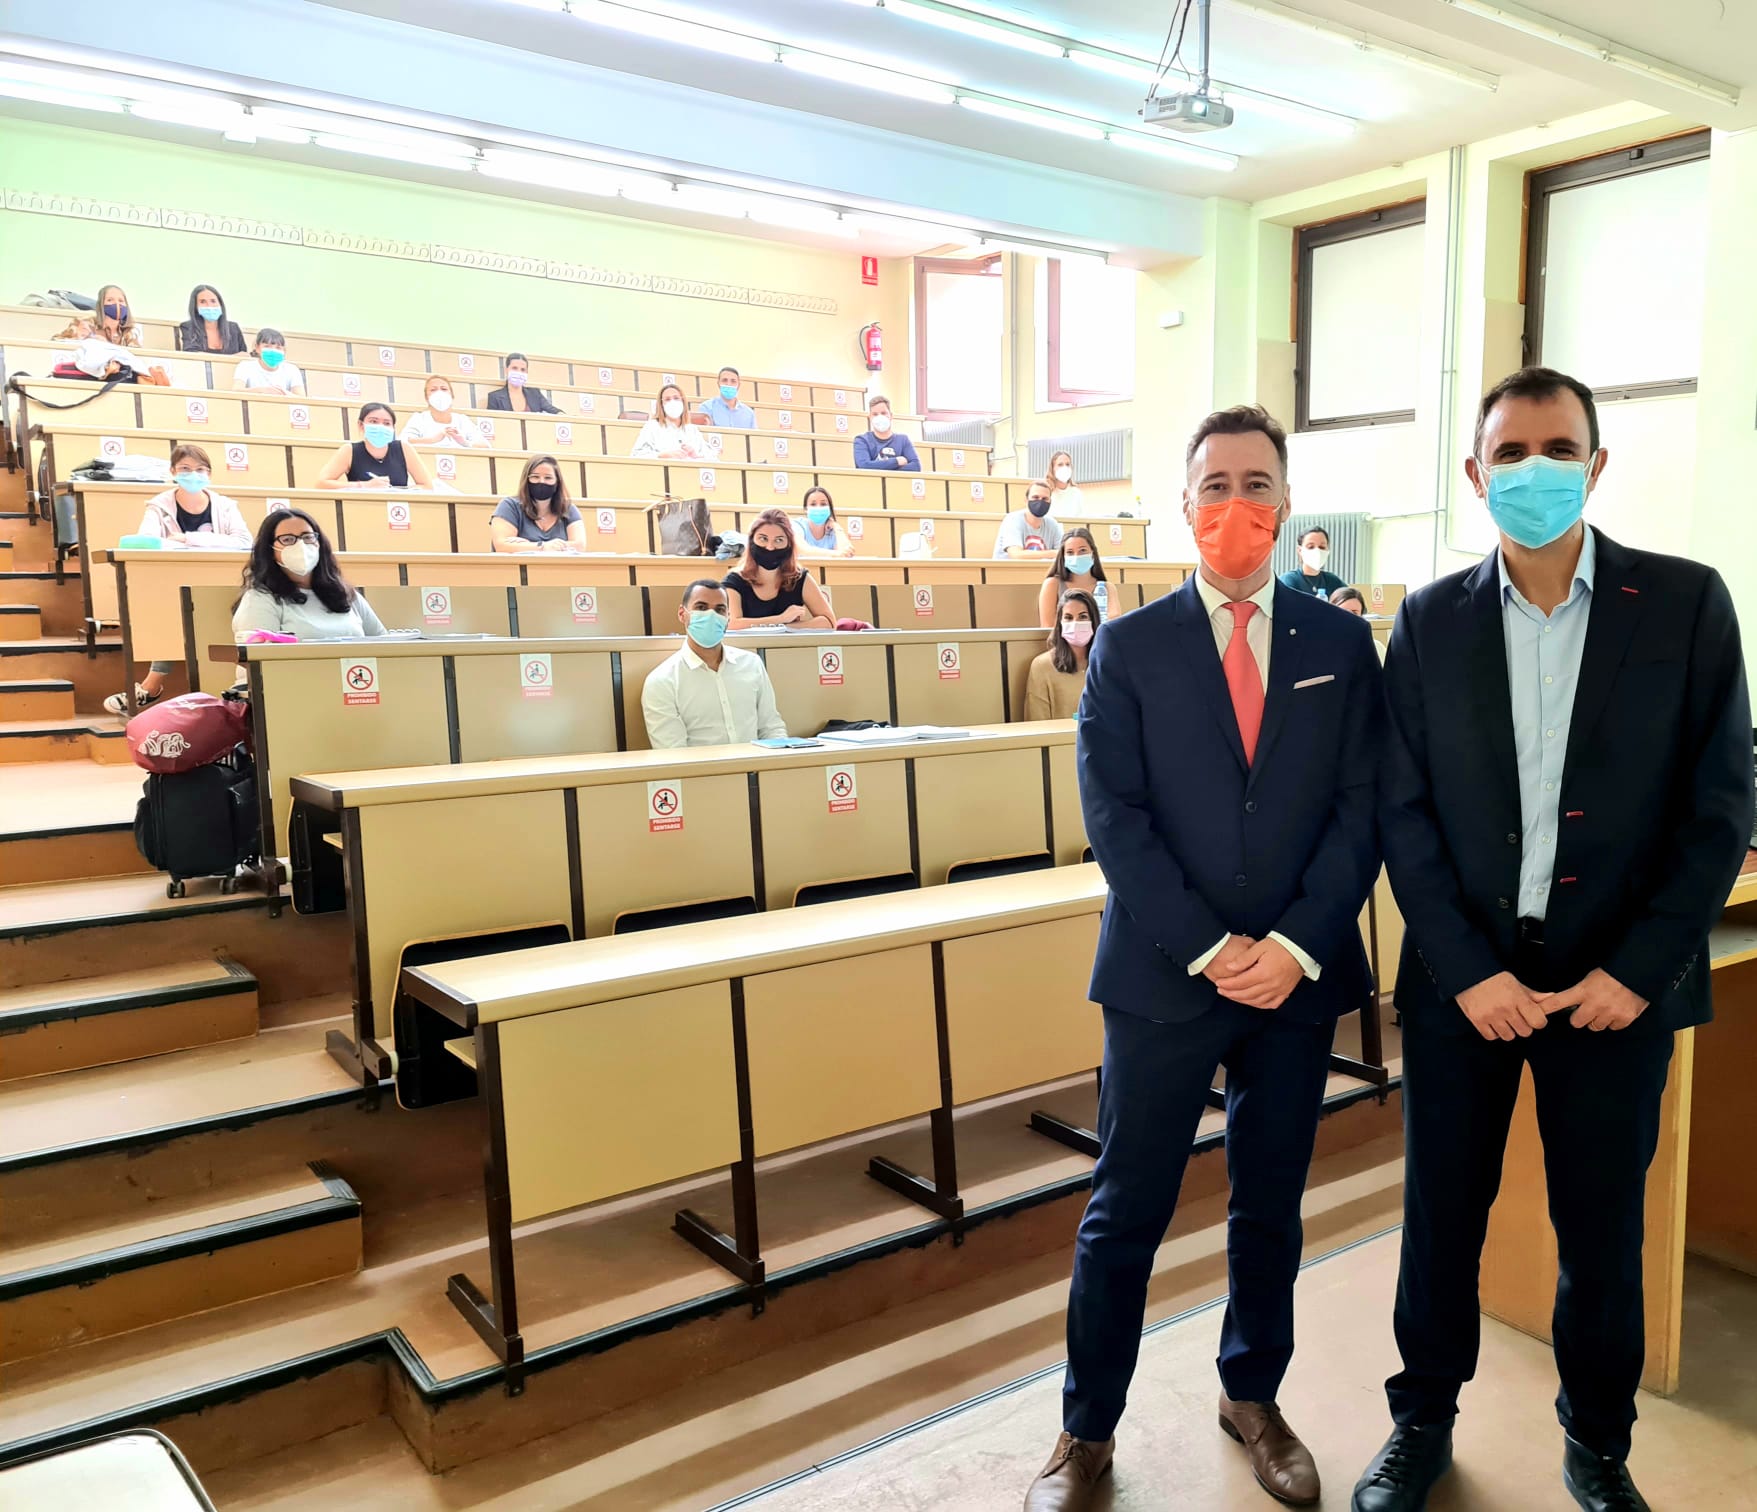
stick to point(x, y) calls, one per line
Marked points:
point(1196, 110)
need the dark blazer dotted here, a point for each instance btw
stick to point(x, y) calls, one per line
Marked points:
point(192, 337)
point(1196, 845)
point(538, 401)
point(1656, 786)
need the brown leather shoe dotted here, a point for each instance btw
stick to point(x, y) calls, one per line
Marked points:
point(1282, 1464)
point(1069, 1482)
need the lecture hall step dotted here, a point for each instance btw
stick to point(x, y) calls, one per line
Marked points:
point(87, 1280)
point(98, 1021)
point(38, 723)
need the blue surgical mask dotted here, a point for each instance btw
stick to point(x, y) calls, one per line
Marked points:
point(707, 627)
point(1078, 565)
point(192, 482)
point(380, 435)
point(208, 313)
point(729, 391)
point(818, 514)
point(1537, 500)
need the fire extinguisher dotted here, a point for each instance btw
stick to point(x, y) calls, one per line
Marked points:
point(872, 347)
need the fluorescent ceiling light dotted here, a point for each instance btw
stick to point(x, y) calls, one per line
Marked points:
point(1067, 125)
point(550, 172)
point(42, 94)
point(215, 115)
point(688, 32)
point(797, 215)
point(1591, 45)
point(932, 232)
point(1314, 117)
point(432, 157)
point(1041, 249)
point(952, 19)
point(1178, 152)
point(1368, 42)
point(868, 76)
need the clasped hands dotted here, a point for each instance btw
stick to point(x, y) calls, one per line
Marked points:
point(1502, 1007)
point(1256, 973)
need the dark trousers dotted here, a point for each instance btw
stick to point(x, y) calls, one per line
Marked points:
point(1156, 1082)
point(1598, 1097)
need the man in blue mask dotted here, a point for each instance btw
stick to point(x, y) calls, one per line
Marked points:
point(725, 410)
point(1565, 803)
point(708, 693)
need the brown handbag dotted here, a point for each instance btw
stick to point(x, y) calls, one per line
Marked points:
point(682, 527)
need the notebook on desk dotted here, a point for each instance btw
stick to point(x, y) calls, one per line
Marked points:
point(884, 735)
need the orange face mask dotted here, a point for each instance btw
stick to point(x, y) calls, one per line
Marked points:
point(1235, 537)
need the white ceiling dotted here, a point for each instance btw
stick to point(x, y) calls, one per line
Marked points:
point(1405, 112)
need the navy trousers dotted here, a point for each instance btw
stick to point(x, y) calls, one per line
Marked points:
point(1155, 1087)
point(1597, 1096)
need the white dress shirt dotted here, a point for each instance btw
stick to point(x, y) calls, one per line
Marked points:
point(1259, 634)
point(685, 702)
point(424, 430)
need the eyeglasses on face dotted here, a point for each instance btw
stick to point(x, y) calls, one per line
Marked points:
point(309, 538)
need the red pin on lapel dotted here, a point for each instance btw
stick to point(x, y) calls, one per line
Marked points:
point(1635, 591)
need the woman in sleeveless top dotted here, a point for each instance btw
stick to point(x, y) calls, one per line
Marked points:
point(377, 461)
point(768, 588)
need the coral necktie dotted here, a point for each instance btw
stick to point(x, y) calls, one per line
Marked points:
point(1244, 679)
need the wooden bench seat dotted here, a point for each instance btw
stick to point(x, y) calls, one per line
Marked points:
point(605, 1066)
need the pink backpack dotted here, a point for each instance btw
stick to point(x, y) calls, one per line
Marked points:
point(186, 732)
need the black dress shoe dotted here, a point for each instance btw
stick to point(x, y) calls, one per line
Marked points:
point(1404, 1471)
point(1598, 1482)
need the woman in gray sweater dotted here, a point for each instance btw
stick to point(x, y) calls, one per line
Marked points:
point(294, 587)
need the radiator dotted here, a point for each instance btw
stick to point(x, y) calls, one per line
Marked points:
point(958, 432)
point(1347, 537)
point(1099, 456)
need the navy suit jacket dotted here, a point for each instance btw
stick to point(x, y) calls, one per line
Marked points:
point(1194, 843)
point(1656, 787)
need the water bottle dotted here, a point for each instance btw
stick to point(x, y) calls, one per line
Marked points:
point(1101, 596)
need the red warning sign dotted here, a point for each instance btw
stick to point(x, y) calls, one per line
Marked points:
point(360, 680)
point(842, 789)
point(949, 664)
point(923, 599)
point(585, 606)
point(397, 512)
point(436, 605)
point(664, 806)
point(536, 675)
point(829, 667)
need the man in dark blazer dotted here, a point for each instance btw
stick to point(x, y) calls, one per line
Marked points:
point(1226, 753)
point(1566, 801)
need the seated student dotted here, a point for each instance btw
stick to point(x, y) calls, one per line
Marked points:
point(881, 446)
point(437, 425)
point(113, 320)
point(294, 586)
point(1310, 576)
point(207, 329)
point(1350, 601)
point(266, 370)
point(768, 587)
point(1058, 676)
point(377, 461)
point(725, 409)
point(708, 693)
point(1029, 531)
point(668, 433)
point(516, 393)
point(540, 517)
point(1076, 567)
point(1059, 475)
point(190, 514)
point(819, 534)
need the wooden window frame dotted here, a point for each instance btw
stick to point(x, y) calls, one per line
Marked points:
point(1541, 184)
point(975, 267)
point(1328, 234)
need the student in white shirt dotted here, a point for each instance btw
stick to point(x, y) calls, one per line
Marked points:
point(818, 533)
point(708, 693)
point(1064, 492)
point(668, 433)
point(437, 425)
point(266, 370)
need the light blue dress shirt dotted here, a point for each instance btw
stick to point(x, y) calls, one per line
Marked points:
point(739, 416)
point(1543, 671)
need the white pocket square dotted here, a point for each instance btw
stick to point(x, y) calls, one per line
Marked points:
point(1312, 682)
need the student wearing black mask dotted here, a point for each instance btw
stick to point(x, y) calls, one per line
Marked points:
point(541, 517)
point(1030, 532)
point(769, 589)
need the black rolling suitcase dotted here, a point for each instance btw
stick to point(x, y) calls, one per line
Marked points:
point(200, 823)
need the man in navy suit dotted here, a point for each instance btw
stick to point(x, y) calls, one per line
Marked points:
point(1227, 773)
point(1566, 801)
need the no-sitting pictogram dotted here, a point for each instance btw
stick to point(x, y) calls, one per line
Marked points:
point(437, 603)
point(842, 790)
point(664, 807)
point(360, 681)
point(536, 672)
point(360, 678)
point(841, 784)
point(829, 667)
point(664, 801)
